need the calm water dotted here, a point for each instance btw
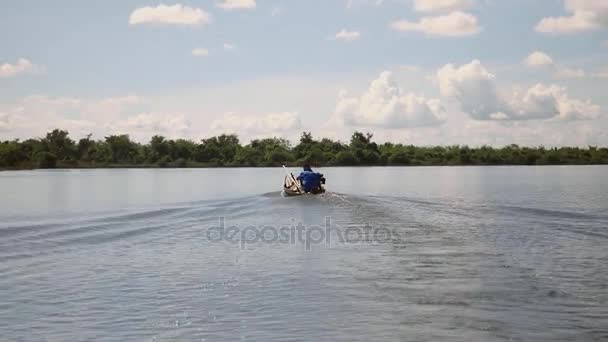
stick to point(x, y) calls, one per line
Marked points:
point(388, 254)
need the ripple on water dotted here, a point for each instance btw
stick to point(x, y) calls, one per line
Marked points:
point(450, 270)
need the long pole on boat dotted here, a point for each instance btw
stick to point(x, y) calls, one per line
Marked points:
point(295, 181)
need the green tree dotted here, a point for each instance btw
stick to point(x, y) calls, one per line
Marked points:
point(56, 148)
point(46, 160)
point(275, 151)
point(84, 148)
point(401, 157)
point(248, 156)
point(365, 151)
point(122, 148)
point(219, 150)
point(59, 144)
point(11, 154)
point(159, 148)
point(183, 149)
point(303, 148)
point(345, 158)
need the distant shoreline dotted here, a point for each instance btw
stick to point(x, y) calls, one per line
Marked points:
point(134, 167)
point(58, 150)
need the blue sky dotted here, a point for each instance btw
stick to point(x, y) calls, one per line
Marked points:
point(416, 71)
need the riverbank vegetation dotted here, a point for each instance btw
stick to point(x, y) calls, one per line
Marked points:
point(57, 149)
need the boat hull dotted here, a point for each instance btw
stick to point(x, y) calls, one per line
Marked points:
point(288, 192)
point(291, 188)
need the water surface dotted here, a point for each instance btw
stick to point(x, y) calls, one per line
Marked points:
point(412, 254)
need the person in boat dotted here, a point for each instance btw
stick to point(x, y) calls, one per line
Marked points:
point(311, 181)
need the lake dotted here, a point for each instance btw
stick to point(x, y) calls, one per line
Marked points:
point(387, 254)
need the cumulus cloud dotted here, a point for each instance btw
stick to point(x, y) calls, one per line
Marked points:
point(200, 52)
point(541, 60)
point(538, 59)
point(474, 88)
point(249, 125)
point(34, 115)
point(471, 85)
point(347, 36)
point(386, 105)
point(455, 24)
point(585, 15)
point(574, 109)
point(229, 47)
point(23, 66)
point(170, 15)
point(107, 107)
point(230, 5)
point(441, 5)
point(144, 125)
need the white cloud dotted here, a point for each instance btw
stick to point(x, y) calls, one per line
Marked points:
point(386, 105)
point(23, 66)
point(34, 115)
point(171, 15)
point(111, 106)
point(236, 4)
point(579, 21)
point(455, 24)
point(250, 126)
point(144, 125)
point(538, 59)
point(573, 109)
point(229, 47)
point(441, 5)
point(200, 52)
point(347, 36)
point(201, 105)
point(474, 88)
point(585, 15)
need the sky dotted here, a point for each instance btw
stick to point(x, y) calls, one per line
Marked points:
point(422, 72)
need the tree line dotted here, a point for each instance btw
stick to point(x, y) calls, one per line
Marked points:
point(57, 149)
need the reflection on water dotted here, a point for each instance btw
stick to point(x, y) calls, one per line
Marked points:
point(472, 254)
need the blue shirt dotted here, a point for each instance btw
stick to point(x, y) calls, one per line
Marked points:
point(310, 180)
